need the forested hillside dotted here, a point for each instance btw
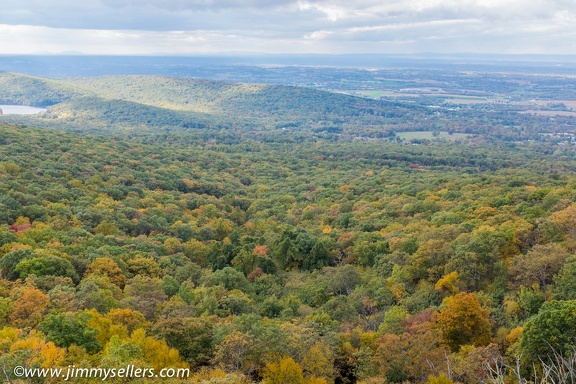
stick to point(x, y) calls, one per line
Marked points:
point(21, 89)
point(145, 104)
point(303, 261)
point(231, 112)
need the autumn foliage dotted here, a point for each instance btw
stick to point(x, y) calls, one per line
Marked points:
point(284, 261)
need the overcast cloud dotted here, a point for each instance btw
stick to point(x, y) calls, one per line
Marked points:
point(299, 26)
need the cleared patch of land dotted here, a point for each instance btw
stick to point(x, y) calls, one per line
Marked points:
point(440, 94)
point(427, 135)
point(459, 99)
point(547, 103)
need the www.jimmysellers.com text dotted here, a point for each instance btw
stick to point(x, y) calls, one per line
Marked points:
point(71, 372)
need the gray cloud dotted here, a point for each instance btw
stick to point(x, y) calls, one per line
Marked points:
point(328, 26)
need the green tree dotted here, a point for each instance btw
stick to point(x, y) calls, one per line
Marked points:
point(230, 279)
point(71, 329)
point(319, 255)
point(192, 337)
point(11, 259)
point(46, 266)
point(565, 281)
point(368, 247)
point(96, 291)
point(552, 330)
point(393, 319)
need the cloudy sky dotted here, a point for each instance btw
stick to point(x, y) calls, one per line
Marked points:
point(292, 26)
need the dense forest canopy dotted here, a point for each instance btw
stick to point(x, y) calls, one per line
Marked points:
point(280, 234)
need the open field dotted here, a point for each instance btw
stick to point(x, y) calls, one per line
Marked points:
point(440, 95)
point(427, 135)
point(459, 99)
point(547, 103)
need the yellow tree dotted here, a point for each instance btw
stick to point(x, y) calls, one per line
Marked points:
point(8, 336)
point(448, 283)
point(319, 361)
point(285, 371)
point(144, 266)
point(156, 352)
point(129, 318)
point(462, 321)
point(439, 379)
point(105, 327)
point(43, 353)
point(566, 218)
point(108, 267)
point(173, 245)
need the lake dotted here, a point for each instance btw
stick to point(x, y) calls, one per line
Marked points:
point(20, 110)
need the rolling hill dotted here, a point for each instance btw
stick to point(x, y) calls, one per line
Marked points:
point(154, 103)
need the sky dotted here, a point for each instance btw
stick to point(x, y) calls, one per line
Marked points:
point(189, 27)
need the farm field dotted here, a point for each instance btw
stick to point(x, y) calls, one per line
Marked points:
point(427, 135)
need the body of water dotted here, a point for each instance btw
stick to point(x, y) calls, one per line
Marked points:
point(20, 110)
